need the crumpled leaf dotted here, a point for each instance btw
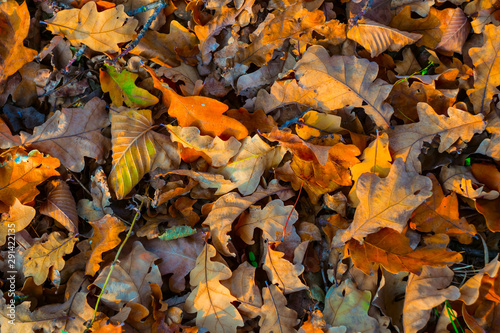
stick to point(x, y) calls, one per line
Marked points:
point(47, 253)
point(392, 250)
point(459, 179)
point(271, 220)
point(72, 133)
point(343, 81)
point(376, 37)
point(386, 202)
point(207, 180)
point(137, 149)
point(214, 150)
point(121, 88)
point(21, 172)
point(346, 306)
point(406, 141)
point(105, 238)
point(281, 271)
point(16, 219)
point(316, 124)
point(61, 206)
point(424, 292)
point(210, 300)
point(275, 316)
point(101, 31)
point(14, 20)
point(429, 27)
point(101, 198)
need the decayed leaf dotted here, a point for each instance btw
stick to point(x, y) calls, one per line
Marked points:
point(376, 159)
point(214, 150)
point(377, 38)
point(72, 133)
point(45, 254)
point(130, 280)
point(101, 31)
point(425, 292)
point(21, 172)
point(343, 81)
point(271, 220)
point(16, 219)
point(282, 272)
point(61, 206)
point(486, 70)
point(254, 158)
point(439, 214)
point(392, 250)
point(202, 112)
point(275, 316)
point(227, 208)
point(406, 141)
point(105, 238)
point(243, 287)
point(101, 198)
point(386, 202)
point(122, 88)
point(346, 306)
point(210, 299)
point(14, 20)
point(137, 149)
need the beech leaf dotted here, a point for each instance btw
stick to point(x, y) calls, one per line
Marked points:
point(61, 206)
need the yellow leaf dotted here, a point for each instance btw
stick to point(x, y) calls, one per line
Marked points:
point(316, 123)
point(101, 31)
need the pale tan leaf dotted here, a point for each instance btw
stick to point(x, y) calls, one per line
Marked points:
point(101, 198)
point(470, 291)
point(61, 206)
point(101, 31)
point(341, 81)
point(137, 149)
point(460, 179)
point(281, 271)
point(16, 219)
point(210, 300)
point(71, 134)
point(377, 38)
point(275, 316)
point(243, 287)
point(386, 202)
point(216, 151)
point(425, 292)
point(407, 141)
point(207, 180)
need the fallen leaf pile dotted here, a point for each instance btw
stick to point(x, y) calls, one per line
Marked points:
point(249, 166)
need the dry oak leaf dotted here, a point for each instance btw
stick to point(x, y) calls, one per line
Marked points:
point(14, 20)
point(130, 280)
point(121, 88)
point(17, 218)
point(377, 38)
point(228, 207)
point(210, 299)
point(101, 198)
point(73, 133)
point(459, 179)
point(407, 141)
point(347, 307)
point(275, 316)
point(101, 31)
point(61, 206)
point(47, 253)
point(424, 292)
point(246, 168)
point(137, 149)
point(21, 172)
point(439, 214)
point(202, 112)
point(420, 7)
point(105, 238)
point(214, 150)
point(243, 287)
point(429, 27)
point(341, 81)
point(470, 291)
point(7, 140)
point(205, 180)
point(457, 28)
point(281, 271)
point(316, 124)
point(385, 202)
point(486, 70)
point(391, 249)
point(271, 220)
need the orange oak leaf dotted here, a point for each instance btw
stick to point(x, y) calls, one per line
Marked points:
point(202, 112)
point(390, 249)
point(429, 26)
point(386, 202)
point(105, 238)
point(210, 300)
point(14, 20)
point(275, 316)
point(61, 205)
point(101, 31)
point(17, 218)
